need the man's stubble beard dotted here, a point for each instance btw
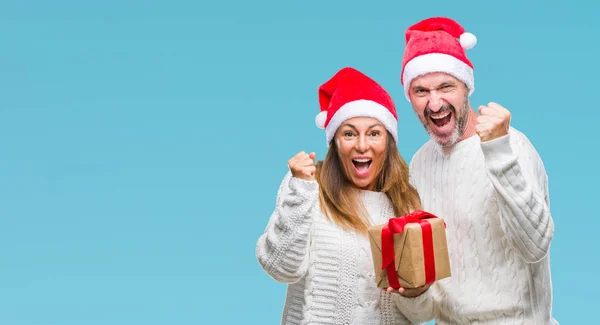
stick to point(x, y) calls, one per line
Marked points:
point(459, 127)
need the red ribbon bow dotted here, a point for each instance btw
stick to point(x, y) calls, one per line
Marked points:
point(395, 226)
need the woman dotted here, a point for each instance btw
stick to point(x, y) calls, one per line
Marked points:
point(316, 239)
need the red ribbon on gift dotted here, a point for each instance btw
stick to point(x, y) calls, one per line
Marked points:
point(396, 226)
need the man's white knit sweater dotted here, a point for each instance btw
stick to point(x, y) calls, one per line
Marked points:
point(329, 271)
point(494, 199)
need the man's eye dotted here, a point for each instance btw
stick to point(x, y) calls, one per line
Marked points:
point(420, 92)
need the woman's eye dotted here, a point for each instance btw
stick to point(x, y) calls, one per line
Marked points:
point(374, 133)
point(348, 134)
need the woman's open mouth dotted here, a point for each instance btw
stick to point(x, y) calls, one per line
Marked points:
point(362, 165)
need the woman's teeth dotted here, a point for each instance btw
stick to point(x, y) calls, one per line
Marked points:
point(361, 164)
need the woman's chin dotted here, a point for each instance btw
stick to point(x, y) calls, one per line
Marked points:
point(364, 184)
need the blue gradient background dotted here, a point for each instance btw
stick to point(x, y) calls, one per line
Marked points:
point(142, 142)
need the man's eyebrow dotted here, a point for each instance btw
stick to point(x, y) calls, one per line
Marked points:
point(443, 84)
point(446, 83)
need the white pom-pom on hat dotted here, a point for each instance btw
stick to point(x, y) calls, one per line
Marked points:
point(320, 119)
point(467, 41)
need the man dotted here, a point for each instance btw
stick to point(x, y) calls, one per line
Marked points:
point(488, 183)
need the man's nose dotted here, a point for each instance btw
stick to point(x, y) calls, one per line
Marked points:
point(435, 101)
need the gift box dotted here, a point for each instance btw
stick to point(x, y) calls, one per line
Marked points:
point(410, 251)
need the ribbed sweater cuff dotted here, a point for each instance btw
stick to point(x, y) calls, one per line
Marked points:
point(303, 187)
point(498, 154)
point(418, 309)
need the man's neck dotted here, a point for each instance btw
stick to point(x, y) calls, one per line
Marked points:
point(469, 129)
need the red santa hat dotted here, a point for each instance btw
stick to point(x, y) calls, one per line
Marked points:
point(437, 44)
point(350, 93)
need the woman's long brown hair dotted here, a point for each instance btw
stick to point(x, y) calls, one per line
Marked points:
point(340, 201)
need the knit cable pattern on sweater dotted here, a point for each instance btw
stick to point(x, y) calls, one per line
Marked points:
point(329, 271)
point(494, 199)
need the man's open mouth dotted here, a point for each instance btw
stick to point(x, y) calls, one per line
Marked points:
point(441, 119)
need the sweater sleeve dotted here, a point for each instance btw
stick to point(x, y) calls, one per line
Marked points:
point(418, 310)
point(519, 178)
point(283, 248)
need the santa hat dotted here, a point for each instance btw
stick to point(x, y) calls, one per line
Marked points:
point(350, 93)
point(437, 45)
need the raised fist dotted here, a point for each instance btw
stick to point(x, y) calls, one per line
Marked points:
point(493, 122)
point(302, 166)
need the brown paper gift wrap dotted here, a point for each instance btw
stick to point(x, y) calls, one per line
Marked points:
point(410, 248)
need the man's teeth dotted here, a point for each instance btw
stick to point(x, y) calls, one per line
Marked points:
point(440, 116)
point(362, 160)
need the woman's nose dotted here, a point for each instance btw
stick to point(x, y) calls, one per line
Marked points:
point(361, 144)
